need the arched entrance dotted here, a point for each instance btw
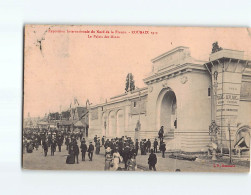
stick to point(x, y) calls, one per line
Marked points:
point(120, 123)
point(111, 124)
point(104, 124)
point(167, 110)
point(242, 140)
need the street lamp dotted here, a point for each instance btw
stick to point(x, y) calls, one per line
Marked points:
point(230, 146)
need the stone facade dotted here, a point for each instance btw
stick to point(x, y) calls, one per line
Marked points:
point(179, 96)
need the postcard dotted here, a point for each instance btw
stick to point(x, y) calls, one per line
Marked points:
point(136, 98)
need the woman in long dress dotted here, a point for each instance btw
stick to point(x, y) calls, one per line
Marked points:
point(116, 159)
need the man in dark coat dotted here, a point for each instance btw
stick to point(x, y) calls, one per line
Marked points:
point(155, 145)
point(95, 139)
point(163, 149)
point(83, 147)
point(45, 147)
point(76, 151)
point(148, 145)
point(67, 142)
point(90, 151)
point(103, 140)
point(60, 142)
point(152, 160)
point(161, 134)
point(126, 155)
point(97, 147)
point(53, 146)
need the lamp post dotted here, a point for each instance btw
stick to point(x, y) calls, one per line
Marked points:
point(230, 146)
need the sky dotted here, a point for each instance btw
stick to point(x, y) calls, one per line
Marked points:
point(60, 65)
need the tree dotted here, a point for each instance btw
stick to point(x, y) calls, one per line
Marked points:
point(130, 84)
point(216, 47)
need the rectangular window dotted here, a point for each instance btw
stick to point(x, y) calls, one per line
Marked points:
point(134, 104)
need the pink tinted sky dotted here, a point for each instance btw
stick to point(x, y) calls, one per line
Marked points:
point(73, 65)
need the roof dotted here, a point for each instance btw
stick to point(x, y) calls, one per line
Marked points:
point(81, 111)
point(65, 122)
point(80, 123)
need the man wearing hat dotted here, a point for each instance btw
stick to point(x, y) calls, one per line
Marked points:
point(76, 150)
point(126, 155)
point(155, 145)
point(152, 160)
point(90, 151)
point(83, 147)
point(163, 149)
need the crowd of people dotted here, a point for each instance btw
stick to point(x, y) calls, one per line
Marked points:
point(117, 151)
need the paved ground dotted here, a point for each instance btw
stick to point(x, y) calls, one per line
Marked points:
point(36, 160)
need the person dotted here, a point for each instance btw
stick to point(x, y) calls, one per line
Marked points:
point(152, 161)
point(116, 159)
point(76, 151)
point(161, 134)
point(148, 145)
point(67, 141)
point(137, 146)
point(97, 147)
point(90, 151)
point(53, 147)
point(70, 158)
point(36, 143)
point(95, 139)
point(107, 143)
point(108, 158)
point(45, 146)
point(163, 149)
point(60, 142)
point(83, 147)
point(126, 155)
point(103, 140)
point(155, 145)
point(29, 146)
point(142, 147)
point(131, 163)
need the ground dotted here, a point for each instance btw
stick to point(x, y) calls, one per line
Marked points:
point(37, 160)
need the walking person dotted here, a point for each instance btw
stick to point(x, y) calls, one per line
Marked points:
point(155, 145)
point(53, 147)
point(163, 149)
point(45, 147)
point(103, 140)
point(161, 134)
point(60, 142)
point(90, 151)
point(148, 145)
point(152, 161)
point(97, 147)
point(76, 151)
point(83, 147)
point(116, 159)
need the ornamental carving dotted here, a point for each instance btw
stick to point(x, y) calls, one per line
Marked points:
point(183, 79)
point(150, 89)
point(164, 84)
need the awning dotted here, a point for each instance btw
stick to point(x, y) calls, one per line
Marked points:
point(80, 124)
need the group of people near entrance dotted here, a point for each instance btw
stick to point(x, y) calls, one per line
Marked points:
point(118, 151)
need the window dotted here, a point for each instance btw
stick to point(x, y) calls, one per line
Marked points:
point(209, 92)
point(134, 104)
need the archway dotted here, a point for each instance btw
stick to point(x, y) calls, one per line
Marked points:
point(120, 123)
point(104, 124)
point(242, 137)
point(111, 124)
point(167, 110)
